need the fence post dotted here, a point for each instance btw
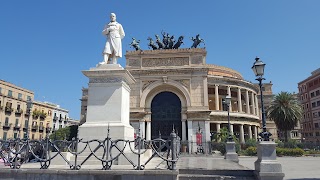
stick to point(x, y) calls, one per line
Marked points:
point(174, 146)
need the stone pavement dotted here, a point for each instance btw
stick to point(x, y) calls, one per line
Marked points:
point(295, 168)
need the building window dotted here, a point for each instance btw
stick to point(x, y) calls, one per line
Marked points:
point(32, 136)
point(263, 89)
point(28, 98)
point(9, 93)
point(26, 123)
point(17, 122)
point(19, 96)
point(5, 135)
point(313, 104)
point(15, 135)
point(0, 90)
point(306, 96)
point(317, 134)
point(312, 94)
point(317, 92)
point(316, 125)
point(318, 103)
point(6, 122)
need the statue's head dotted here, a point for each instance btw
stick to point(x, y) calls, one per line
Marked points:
point(113, 17)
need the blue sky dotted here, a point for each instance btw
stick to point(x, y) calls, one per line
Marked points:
point(44, 45)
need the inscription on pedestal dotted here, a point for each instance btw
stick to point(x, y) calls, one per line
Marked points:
point(155, 62)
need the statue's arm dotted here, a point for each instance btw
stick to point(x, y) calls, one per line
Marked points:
point(105, 30)
point(121, 31)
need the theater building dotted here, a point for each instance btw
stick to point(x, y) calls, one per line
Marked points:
point(176, 88)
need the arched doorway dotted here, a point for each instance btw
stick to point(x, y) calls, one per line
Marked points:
point(165, 112)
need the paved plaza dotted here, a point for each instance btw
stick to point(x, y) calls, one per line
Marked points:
point(295, 168)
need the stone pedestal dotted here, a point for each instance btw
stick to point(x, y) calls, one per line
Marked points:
point(231, 153)
point(267, 167)
point(108, 103)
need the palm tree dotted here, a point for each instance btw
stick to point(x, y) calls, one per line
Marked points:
point(285, 111)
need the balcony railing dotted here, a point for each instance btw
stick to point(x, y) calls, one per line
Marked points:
point(19, 111)
point(7, 125)
point(41, 128)
point(61, 119)
point(55, 118)
point(34, 127)
point(8, 109)
point(17, 126)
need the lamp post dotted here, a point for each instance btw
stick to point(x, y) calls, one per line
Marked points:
point(258, 69)
point(29, 107)
point(227, 101)
point(231, 153)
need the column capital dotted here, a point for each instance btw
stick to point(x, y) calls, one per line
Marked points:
point(216, 85)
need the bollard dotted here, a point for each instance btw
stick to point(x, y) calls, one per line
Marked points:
point(174, 145)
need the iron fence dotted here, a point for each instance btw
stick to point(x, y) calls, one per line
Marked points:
point(19, 151)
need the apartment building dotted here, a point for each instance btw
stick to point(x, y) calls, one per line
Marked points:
point(13, 110)
point(15, 121)
point(309, 95)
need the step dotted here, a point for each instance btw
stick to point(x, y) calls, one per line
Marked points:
point(210, 177)
point(237, 173)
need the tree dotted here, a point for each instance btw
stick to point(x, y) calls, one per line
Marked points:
point(285, 111)
point(61, 134)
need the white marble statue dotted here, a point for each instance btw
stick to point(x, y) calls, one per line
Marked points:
point(114, 33)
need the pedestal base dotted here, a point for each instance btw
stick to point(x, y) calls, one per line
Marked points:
point(231, 153)
point(100, 131)
point(267, 167)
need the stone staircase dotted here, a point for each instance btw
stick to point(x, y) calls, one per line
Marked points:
point(202, 174)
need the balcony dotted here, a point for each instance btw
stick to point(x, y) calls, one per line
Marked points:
point(19, 111)
point(48, 129)
point(55, 118)
point(42, 115)
point(34, 127)
point(41, 128)
point(17, 127)
point(7, 125)
point(61, 119)
point(8, 109)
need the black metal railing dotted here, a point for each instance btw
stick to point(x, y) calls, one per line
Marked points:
point(17, 152)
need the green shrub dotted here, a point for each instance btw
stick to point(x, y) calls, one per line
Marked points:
point(312, 152)
point(280, 144)
point(289, 151)
point(250, 143)
point(250, 151)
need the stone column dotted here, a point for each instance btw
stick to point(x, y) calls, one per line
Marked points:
point(184, 133)
point(241, 134)
point(255, 132)
point(218, 130)
point(142, 129)
point(205, 92)
point(207, 131)
point(247, 102)
point(253, 104)
point(217, 96)
point(257, 105)
point(190, 136)
point(148, 134)
point(231, 129)
point(229, 94)
point(239, 101)
point(250, 132)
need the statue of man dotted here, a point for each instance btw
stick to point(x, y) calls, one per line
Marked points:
point(113, 49)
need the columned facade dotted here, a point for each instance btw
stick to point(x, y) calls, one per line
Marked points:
point(200, 89)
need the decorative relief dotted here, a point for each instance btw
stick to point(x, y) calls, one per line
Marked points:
point(146, 84)
point(154, 62)
point(185, 82)
point(134, 62)
point(197, 60)
point(106, 80)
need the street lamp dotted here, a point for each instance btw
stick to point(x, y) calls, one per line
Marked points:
point(227, 101)
point(29, 107)
point(258, 69)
